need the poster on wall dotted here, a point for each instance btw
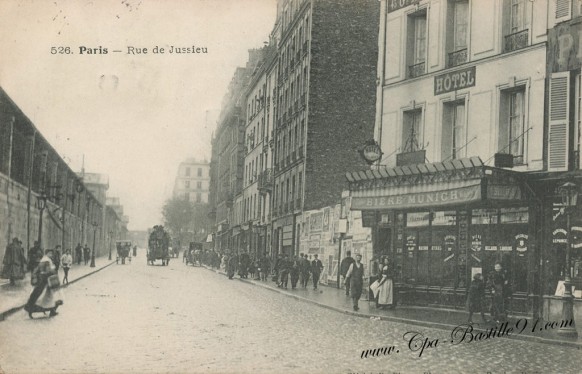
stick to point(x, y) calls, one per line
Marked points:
point(326, 219)
point(316, 221)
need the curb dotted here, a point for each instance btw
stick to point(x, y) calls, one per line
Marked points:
point(441, 326)
point(15, 309)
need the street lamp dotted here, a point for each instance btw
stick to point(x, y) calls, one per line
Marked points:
point(110, 243)
point(41, 203)
point(569, 193)
point(94, 224)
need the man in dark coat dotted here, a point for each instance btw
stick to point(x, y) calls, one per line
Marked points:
point(86, 253)
point(284, 266)
point(356, 276)
point(316, 268)
point(79, 253)
point(232, 264)
point(294, 270)
point(304, 268)
point(344, 267)
point(498, 284)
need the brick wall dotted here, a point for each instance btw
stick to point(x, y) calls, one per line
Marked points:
point(342, 94)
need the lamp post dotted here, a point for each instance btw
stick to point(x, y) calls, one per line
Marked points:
point(94, 224)
point(110, 243)
point(41, 202)
point(569, 194)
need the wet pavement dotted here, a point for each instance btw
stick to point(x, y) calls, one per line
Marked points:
point(183, 319)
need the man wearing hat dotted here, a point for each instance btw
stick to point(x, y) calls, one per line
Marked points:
point(316, 268)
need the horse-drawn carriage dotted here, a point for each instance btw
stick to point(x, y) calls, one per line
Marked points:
point(158, 246)
point(193, 255)
point(123, 250)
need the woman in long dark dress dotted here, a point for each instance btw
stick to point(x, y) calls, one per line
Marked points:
point(476, 298)
point(14, 263)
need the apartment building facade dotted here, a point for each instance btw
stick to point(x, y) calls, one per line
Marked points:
point(193, 181)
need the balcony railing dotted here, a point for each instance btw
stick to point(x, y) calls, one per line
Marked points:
point(416, 70)
point(458, 57)
point(517, 40)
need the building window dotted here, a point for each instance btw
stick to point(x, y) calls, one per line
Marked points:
point(187, 184)
point(458, 32)
point(199, 172)
point(516, 35)
point(199, 185)
point(512, 124)
point(417, 44)
point(187, 172)
point(411, 131)
point(198, 197)
point(454, 131)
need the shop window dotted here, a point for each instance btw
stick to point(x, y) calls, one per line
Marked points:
point(454, 131)
point(515, 24)
point(512, 127)
point(416, 42)
point(411, 130)
point(457, 32)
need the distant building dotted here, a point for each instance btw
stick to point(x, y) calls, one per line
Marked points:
point(193, 181)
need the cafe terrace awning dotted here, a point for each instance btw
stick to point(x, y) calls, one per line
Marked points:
point(438, 184)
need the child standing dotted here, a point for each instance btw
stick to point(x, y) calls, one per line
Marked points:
point(476, 298)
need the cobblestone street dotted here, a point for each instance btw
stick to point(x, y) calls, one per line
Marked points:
point(138, 318)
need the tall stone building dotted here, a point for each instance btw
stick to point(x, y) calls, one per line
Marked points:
point(193, 181)
point(325, 104)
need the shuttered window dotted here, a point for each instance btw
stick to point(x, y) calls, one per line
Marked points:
point(558, 122)
point(563, 10)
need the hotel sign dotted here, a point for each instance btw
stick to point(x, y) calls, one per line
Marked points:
point(394, 5)
point(423, 199)
point(455, 80)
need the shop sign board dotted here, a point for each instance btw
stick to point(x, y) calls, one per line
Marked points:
point(565, 47)
point(394, 5)
point(421, 199)
point(455, 80)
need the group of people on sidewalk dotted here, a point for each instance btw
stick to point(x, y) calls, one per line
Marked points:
point(43, 267)
point(297, 269)
point(352, 272)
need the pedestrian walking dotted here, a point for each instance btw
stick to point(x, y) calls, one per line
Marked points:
point(86, 253)
point(66, 262)
point(476, 298)
point(498, 284)
point(356, 276)
point(35, 254)
point(305, 268)
point(264, 267)
point(385, 286)
point(344, 266)
point(57, 257)
point(14, 262)
point(232, 264)
point(44, 296)
point(79, 253)
point(294, 271)
point(284, 267)
point(316, 268)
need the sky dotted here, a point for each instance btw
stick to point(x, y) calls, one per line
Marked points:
point(133, 117)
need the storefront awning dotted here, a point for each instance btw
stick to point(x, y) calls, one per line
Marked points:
point(437, 184)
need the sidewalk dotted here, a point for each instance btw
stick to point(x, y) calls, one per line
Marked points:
point(13, 298)
point(446, 319)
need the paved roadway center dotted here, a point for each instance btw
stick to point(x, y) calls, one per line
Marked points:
point(144, 319)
